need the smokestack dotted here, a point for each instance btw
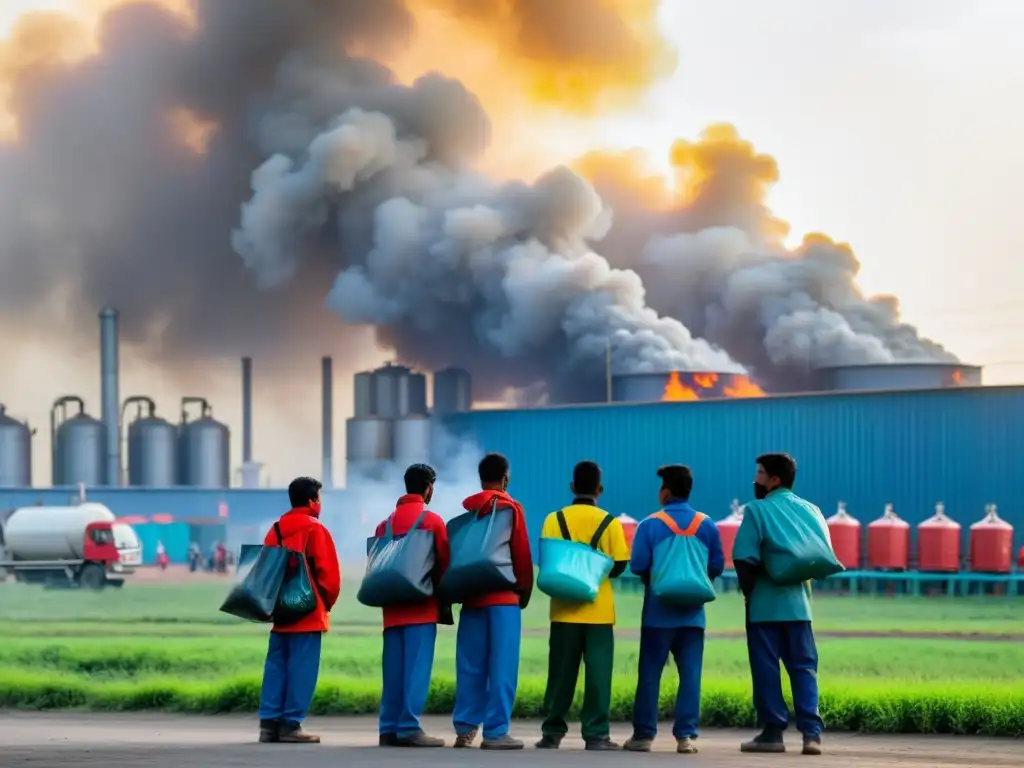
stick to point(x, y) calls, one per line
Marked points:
point(246, 411)
point(109, 383)
point(327, 474)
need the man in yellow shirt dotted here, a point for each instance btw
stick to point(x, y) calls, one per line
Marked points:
point(583, 631)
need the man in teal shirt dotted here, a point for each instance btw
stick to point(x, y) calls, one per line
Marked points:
point(778, 617)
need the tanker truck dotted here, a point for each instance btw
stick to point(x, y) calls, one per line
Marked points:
point(79, 546)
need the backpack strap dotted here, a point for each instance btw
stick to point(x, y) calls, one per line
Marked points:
point(691, 529)
point(277, 532)
point(594, 542)
point(562, 525)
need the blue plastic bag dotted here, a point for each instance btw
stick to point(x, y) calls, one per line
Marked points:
point(481, 561)
point(399, 569)
point(571, 570)
point(679, 570)
point(795, 543)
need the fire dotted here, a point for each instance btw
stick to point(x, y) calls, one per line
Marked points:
point(705, 380)
point(676, 391)
point(742, 386)
point(957, 377)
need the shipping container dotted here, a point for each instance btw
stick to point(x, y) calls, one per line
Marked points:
point(868, 449)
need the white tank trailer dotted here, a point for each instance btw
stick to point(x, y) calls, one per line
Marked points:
point(77, 546)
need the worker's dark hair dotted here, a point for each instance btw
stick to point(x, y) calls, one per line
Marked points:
point(418, 478)
point(303, 490)
point(493, 468)
point(586, 478)
point(677, 479)
point(780, 465)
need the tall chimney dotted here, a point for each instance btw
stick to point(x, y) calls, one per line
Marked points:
point(109, 395)
point(327, 473)
point(246, 411)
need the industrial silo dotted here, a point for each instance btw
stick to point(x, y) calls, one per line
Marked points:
point(15, 452)
point(682, 386)
point(412, 395)
point(368, 440)
point(453, 391)
point(364, 395)
point(79, 445)
point(152, 447)
point(896, 376)
point(411, 440)
point(204, 459)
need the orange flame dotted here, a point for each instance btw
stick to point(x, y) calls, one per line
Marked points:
point(742, 386)
point(957, 377)
point(676, 391)
point(705, 380)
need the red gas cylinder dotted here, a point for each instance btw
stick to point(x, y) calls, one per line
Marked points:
point(629, 528)
point(938, 543)
point(991, 543)
point(889, 542)
point(727, 528)
point(844, 529)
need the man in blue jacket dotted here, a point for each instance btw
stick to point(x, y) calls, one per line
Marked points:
point(669, 629)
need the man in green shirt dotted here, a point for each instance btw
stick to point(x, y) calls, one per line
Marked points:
point(778, 617)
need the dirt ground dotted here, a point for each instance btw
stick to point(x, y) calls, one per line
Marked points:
point(45, 740)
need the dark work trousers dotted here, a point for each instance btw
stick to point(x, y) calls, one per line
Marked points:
point(568, 645)
point(406, 663)
point(686, 644)
point(792, 643)
point(289, 676)
point(486, 669)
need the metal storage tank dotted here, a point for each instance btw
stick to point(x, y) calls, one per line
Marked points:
point(152, 447)
point(938, 543)
point(47, 533)
point(991, 543)
point(79, 445)
point(386, 382)
point(453, 391)
point(411, 440)
point(905, 375)
point(727, 529)
point(412, 395)
point(364, 395)
point(15, 452)
point(889, 542)
point(368, 440)
point(203, 448)
point(844, 530)
point(682, 386)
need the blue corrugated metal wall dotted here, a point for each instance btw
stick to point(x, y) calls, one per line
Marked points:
point(912, 449)
point(175, 538)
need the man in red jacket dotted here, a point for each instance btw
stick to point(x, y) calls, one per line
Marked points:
point(293, 659)
point(410, 631)
point(487, 647)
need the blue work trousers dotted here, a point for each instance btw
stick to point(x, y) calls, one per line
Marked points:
point(686, 644)
point(407, 661)
point(289, 676)
point(792, 643)
point(487, 669)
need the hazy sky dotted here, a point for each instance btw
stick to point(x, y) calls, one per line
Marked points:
point(897, 126)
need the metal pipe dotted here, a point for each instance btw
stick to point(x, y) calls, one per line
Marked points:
point(246, 410)
point(110, 398)
point(205, 409)
point(327, 427)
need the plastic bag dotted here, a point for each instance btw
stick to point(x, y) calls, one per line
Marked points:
point(796, 545)
point(260, 574)
point(481, 555)
point(571, 570)
point(399, 570)
point(679, 570)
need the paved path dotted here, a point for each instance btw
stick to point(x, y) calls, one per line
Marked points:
point(56, 740)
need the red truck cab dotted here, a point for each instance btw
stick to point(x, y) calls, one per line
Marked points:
point(99, 546)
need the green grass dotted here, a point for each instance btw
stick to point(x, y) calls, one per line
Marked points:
point(166, 647)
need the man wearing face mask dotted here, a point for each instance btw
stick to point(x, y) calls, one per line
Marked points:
point(293, 658)
point(778, 616)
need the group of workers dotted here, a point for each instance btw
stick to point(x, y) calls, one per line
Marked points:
point(778, 619)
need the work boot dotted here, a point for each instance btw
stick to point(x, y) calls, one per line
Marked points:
point(505, 743)
point(388, 740)
point(419, 740)
point(292, 733)
point(465, 740)
point(549, 742)
point(270, 731)
point(768, 741)
point(601, 745)
point(636, 744)
point(812, 745)
point(686, 746)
